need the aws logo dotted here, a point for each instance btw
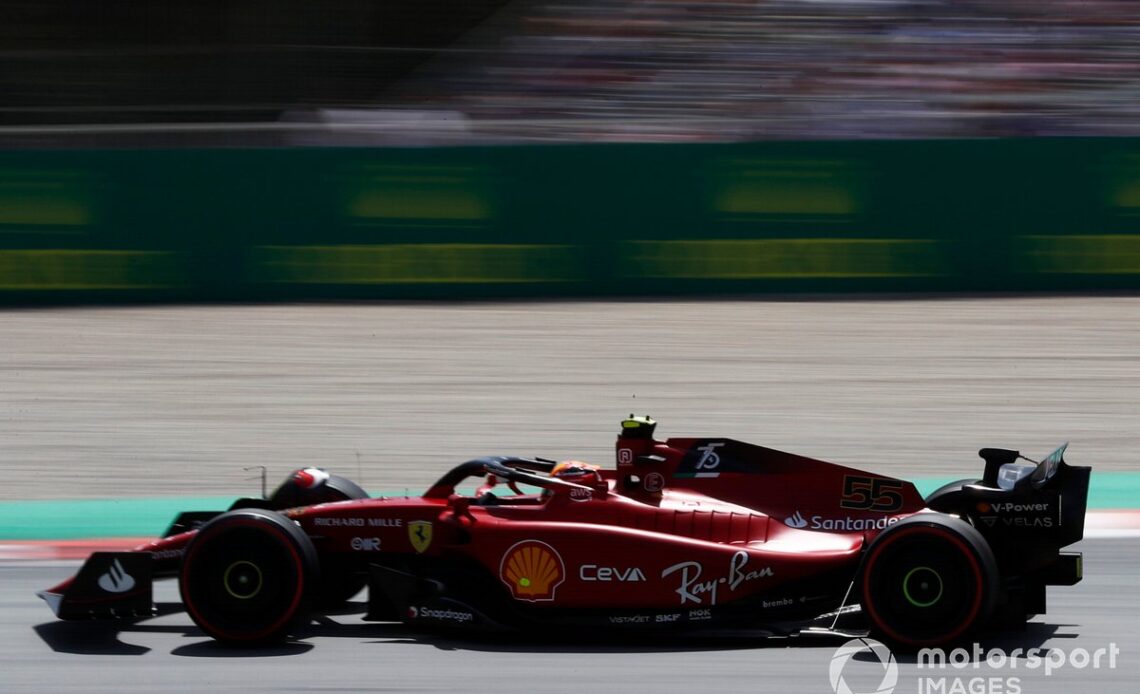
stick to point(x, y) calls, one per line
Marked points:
point(533, 570)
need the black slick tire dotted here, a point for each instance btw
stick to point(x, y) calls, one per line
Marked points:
point(247, 577)
point(928, 580)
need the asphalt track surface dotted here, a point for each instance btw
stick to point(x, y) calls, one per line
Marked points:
point(98, 403)
point(343, 654)
point(154, 401)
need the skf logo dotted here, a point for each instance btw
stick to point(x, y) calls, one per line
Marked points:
point(116, 580)
point(533, 570)
point(419, 534)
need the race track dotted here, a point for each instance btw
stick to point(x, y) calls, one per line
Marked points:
point(177, 400)
point(343, 654)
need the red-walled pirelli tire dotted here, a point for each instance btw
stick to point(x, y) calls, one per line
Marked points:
point(247, 576)
point(928, 580)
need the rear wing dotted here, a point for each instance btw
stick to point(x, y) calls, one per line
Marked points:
point(1046, 489)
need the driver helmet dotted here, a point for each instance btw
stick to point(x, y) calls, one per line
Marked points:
point(577, 472)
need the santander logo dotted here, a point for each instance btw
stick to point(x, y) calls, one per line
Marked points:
point(845, 524)
point(796, 520)
point(116, 580)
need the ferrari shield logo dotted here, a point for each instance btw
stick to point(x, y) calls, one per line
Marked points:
point(419, 532)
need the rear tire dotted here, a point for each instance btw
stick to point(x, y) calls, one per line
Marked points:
point(312, 486)
point(947, 498)
point(340, 578)
point(247, 577)
point(929, 580)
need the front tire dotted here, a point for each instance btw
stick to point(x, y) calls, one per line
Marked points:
point(247, 577)
point(929, 580)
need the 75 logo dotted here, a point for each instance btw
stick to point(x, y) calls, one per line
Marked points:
point(710, 459)
point(871, 494)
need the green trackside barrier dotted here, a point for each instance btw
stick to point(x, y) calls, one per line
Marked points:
point(584, 220)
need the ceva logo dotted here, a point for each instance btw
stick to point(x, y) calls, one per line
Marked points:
point(116, 580)
point(796, 520)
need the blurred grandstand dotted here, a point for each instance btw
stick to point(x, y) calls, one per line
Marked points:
point(255, 72)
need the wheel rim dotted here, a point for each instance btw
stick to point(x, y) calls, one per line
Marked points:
point(243, 579)
point(922, 586)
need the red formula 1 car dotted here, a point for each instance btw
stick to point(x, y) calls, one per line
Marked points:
point(686, 533)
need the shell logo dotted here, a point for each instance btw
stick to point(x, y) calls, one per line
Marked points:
point(533, 570)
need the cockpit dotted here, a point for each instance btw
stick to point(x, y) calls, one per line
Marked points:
point(573, 479)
